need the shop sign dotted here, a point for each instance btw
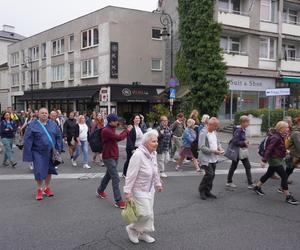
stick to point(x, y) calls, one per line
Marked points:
point(278, 92)
point(114, 60)
point(242, 83)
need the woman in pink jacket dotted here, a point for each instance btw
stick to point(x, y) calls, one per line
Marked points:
point(141, 181)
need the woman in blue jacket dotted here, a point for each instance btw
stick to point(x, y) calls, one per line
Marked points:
point(189, 136)
point(8, 129)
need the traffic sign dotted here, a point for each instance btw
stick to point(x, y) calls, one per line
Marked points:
point(172, 93)
point(278, 92)
point(172, 82)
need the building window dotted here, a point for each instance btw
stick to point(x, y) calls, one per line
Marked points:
point(15, 79)
point(58, 47)
point(289, 52)
point(15, 59)
point(71, 43)
point(267, 48)
point(34, 53)
point(58, 73)
point(44, 54)
point(233, 6)
point(230, 44)
point(290, 16)
point(268, 10)
point(71, 71)
point(89, 68)
point(156, 65)
point(23, 78)
point(89, 38)
point(35, 76)
point(156, 34)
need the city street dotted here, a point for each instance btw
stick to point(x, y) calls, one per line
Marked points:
point(76, 219)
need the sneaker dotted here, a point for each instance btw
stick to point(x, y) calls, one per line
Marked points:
point(178, 168)
point(86, 166)
point(203, 196)
point(47, 191)
point(290, 182)
point(120, 204)
point(5, 164)
point(74, 163)
point(147, 238)
point(231, 184)
point(173, 160)
point(13, 164)
point(291, 200)
point(31, 166)
point(251, 186)
point(210, 195)
point(163, 175)
point(132, 234)
point(258, 190)
point(39, 194)
point(102, 195)
point(279, 190)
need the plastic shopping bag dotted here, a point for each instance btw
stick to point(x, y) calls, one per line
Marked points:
point(130, 214)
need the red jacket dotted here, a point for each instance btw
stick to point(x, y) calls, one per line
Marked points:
point(110, 142)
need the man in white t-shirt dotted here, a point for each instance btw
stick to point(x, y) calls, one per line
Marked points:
point(210, 149)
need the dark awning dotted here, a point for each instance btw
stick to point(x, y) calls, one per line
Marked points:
point(138, 93)
point(83, 92)
point(291, 79)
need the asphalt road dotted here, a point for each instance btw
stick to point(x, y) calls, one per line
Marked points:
point(76, 219)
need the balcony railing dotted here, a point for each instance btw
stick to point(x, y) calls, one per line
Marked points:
point(231, 52)
point(233, 12)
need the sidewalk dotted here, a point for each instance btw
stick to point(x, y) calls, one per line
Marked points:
point(226, 137)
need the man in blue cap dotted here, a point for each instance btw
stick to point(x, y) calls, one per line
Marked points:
point(110, 157)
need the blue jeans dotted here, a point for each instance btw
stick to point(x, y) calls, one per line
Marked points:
point(85, 150)
point(111, 173)
point(7, 143)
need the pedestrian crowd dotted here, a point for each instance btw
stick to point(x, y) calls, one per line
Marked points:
point(42, 136)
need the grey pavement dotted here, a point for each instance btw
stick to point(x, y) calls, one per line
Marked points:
point(76, 219)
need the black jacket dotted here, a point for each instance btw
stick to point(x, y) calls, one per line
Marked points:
point(70, 128)
point(131, 139)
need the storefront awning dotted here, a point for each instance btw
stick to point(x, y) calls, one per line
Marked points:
point(290, 79)
point(84, 92)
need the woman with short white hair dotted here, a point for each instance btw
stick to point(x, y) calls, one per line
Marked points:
point(141, 181)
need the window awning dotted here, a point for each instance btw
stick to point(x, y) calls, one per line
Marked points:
point(290, 79)
point(84, 92)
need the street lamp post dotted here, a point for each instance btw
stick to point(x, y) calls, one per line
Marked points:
point(167, 22)
point(27, 61)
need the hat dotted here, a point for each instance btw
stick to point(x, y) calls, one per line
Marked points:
point(112, 118)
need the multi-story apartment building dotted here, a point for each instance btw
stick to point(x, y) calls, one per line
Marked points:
point(111, 60)
point(261, 44)
point(7, 37)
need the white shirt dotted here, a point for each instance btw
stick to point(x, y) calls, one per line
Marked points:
point(83, 132)
point(213, 145)
point(139, 136)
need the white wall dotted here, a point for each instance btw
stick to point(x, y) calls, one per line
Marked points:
point(3, 51)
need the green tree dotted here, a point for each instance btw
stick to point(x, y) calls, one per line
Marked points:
point(200, 63)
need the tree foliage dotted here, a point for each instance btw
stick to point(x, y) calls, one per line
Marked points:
point(200, 63)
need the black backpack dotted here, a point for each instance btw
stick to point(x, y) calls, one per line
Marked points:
point(262, 147)
point(95, 141)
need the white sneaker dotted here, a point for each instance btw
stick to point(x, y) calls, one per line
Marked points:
point(163, 175)
point(173, 160)
point(147, 238)
point(74, 163)
point(86, 166)
point(132, 234)
point(31, 166)
point(232, 185)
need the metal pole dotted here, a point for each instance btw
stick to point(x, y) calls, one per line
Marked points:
point(231, 105)
point(283, 107)
point(269, 113)
point(31, 84)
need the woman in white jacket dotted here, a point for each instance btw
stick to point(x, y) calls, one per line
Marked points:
point(141, 181)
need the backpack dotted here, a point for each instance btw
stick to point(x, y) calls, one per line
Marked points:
point(95, 141)
point(262, 147)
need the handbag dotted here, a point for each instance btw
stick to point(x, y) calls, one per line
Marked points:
point(56, 156)
point(130, 213)
point(243, 153)
point(232, 152)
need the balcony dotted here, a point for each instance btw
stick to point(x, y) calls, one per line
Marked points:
point(269, 27)
point(291, 64)
point(291, 29)
point(267, 64)
point(236, 59)
point(234, 18)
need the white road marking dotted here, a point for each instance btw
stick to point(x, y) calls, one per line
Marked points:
point(81, 176)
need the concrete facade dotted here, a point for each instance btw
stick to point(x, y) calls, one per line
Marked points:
point(131, 29)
